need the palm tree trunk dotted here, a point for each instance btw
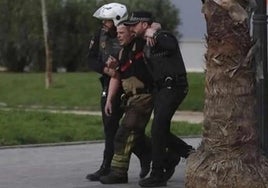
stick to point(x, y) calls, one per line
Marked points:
point(229, 154)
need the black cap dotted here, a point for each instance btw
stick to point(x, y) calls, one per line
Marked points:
point(139, 16)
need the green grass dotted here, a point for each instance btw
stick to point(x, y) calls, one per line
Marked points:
point(69, 91)
point(194, 101)
point(79, 90)
point(74, 91)
point(18, 127)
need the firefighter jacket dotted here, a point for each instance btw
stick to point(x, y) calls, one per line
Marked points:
point(134, 73)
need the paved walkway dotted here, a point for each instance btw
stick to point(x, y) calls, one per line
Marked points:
point(66, 167)
point(189, 116)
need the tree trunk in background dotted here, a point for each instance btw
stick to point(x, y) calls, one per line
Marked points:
point(48, 77)
point(229, 154)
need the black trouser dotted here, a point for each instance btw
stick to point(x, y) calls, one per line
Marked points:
point(111, 124)
point(178, 146)
point(166, 102)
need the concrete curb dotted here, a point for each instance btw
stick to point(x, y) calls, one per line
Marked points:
point(72, 143)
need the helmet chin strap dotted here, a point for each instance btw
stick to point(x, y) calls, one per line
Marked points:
point(112, 31)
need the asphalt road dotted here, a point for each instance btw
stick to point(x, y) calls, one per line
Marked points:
point(66, 167)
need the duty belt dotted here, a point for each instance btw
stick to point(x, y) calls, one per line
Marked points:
point(171, 81)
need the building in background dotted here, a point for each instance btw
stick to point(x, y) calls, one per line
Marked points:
point(193, 29)
point(193, 24)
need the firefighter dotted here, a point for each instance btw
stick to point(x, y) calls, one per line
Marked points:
point(136, 82)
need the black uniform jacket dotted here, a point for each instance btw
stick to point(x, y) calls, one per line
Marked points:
point(101, 46)
point(165, 57)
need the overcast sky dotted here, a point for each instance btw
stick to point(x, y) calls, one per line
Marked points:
point(193, 23)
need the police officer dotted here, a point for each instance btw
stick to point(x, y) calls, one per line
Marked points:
point(170, 88)
point(137, 85)
point(103, 45)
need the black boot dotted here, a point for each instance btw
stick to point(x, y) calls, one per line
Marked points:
point(190, 150)
point(145, 162)
point(114, 178)
point(156, 179)
point(143, 151)
point(172, 160)
point(96, 175)
point(104, 170)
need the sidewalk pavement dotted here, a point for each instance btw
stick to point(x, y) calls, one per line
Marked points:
point(66, 167)
point(188, 116)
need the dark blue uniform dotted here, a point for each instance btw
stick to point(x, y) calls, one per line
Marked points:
point(167, 67)
point(101, 46)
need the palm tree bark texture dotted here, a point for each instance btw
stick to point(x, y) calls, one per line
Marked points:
point(229, 154)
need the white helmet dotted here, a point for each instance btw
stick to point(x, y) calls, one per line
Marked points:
point(112, 11)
